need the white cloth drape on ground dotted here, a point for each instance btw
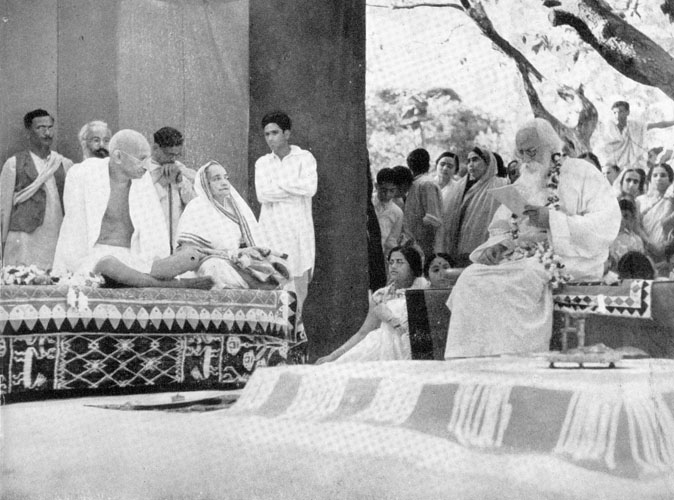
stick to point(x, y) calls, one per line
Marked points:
point(508, 307)
point(86, 195)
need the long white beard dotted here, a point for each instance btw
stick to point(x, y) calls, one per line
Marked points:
point(533, 182)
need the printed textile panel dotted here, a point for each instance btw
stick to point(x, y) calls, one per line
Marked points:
point(631, 299)
point(49, 309)
point(85, 361)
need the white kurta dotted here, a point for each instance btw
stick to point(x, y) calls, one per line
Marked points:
point(507, 308)
point(85, 198)
point(627, 149)
point(284, 189)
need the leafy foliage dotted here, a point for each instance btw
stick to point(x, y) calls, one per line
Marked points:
point(447, 124)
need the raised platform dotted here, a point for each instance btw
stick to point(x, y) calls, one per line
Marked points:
point(60, 341)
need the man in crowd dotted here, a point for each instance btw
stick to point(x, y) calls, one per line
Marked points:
point(503, 302)
point(389, 215)
point(173, 181)
point(31, 196)
point(285, 181)
point(114, 223)
point(625, 141)
point(423, 205)
point(94, 138)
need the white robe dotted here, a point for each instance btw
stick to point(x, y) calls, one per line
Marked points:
point(507, 308)
point(85, 198)
point(627, 149)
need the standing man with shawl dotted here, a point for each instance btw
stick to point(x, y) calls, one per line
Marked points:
point(503, 302)
point(220, 224)
point(31, 196)
point(285, 181)
point(468, 207)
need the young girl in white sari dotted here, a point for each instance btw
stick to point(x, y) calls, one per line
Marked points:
point(220, 224)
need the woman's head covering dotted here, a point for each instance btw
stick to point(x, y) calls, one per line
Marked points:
point(203, 189)
point(489, 158)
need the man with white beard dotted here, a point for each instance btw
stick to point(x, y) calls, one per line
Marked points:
point(503, 302)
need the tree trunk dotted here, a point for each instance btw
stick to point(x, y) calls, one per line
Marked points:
point(621, 45)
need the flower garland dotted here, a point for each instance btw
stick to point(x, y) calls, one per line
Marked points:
point(543, 250)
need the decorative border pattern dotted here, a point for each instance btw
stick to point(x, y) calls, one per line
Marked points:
point(632, 299)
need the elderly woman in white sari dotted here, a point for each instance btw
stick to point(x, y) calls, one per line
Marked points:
point(503, 302)
point(468, 208)
point(220, 224)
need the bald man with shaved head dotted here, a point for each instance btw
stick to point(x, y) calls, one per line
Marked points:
point(114, 224)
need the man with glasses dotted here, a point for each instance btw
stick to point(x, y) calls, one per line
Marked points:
point(502, 303)
point(114, 224)
point(173, 181)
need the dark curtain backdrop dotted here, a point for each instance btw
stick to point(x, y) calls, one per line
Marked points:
point(205, 67)
point(139, 64)
point(307, 57)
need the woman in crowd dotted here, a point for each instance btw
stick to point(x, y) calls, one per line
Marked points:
point(384, 334)
point(437, 270)
point(446, 167)
point(630, 183)
point(220, 224)
point(469, 209)
point(657, 214)
point(629, 238)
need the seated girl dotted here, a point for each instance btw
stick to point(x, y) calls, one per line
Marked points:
point(630, 237)
point(384, 334)
point(219, 223)
point(438, 271)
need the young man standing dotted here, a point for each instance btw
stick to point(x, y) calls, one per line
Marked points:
point(625, 139)
point(31, 196)
point(173, 181)
point(285, 181)
point(389, 215)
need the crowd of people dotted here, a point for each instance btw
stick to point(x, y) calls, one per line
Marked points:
point(447, 206)
point(130, 211)
point(133, 213)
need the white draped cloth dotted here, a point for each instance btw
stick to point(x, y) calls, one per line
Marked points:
point(627, 149)
point(207, 224)
point(386, 343)
point(36, 248)
point(85, 198)
point(507, 308)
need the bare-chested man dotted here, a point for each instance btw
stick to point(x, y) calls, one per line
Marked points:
point(114, 224)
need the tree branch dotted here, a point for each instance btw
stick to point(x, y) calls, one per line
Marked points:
point(621, 45)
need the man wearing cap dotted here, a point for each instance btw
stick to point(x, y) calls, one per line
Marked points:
point(502, 303)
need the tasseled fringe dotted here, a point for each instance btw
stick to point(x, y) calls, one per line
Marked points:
point(480, 415)
point(590, 427)
point(393, 403)
point(258, 389)
point(651, 432)
point(317, 398)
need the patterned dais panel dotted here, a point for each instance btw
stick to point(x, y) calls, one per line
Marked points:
point(85, 361)
point(632, 299)
point(47, 309)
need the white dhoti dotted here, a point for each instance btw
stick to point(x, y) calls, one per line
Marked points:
point(519, 319)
